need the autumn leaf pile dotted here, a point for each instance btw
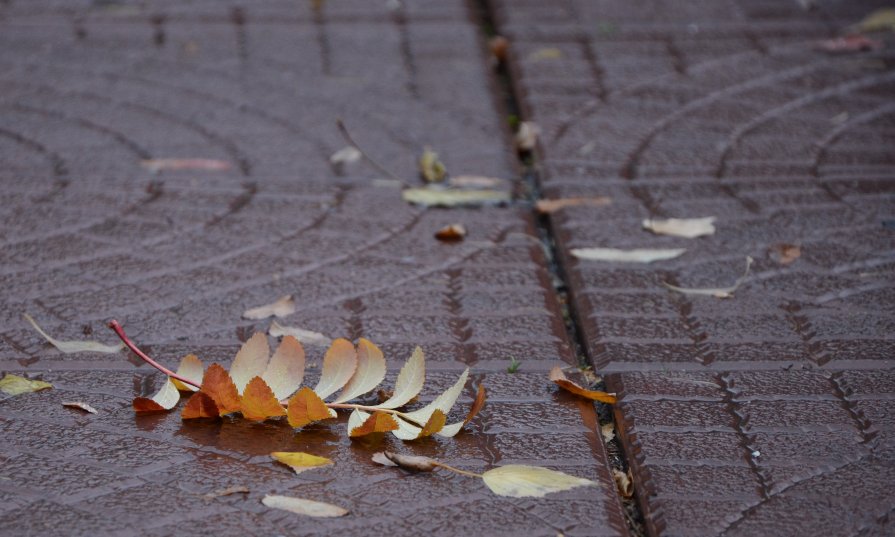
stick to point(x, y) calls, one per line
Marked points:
point(262, 387)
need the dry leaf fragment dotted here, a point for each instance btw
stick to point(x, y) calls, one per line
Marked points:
point(474, 181)
point(299, 461)
point(879, 20)
point(165, 399)
point(361, 424)
point(551, 206)
point(302, 506)
point(411, 462)
point(218, 385)
point(527, 136)
point(282, 307)
point(608, 432)
point(339, 365)
point(160, 164)
point(623, 482)
point(237, 489)
point(370, 372)
point(717, 292)
point(380, 458)
point(849, 43)
point(68, 347)
point(251, 361)
point(435, 424)
point(785, 254)
point(546, 53)
point(432, 169)
point(637, 255)
point(440, 197)
point(410, 381)
point(689, 228)
point(307, 407)
point(499, 46)
point(521, 481)
point(258, 401)
point(201, 405)
point(346, 155)
point(307, 337)
point(451, 233)
point(79, 405)
point(15, 385)
point(190, 368)
point(558, 377)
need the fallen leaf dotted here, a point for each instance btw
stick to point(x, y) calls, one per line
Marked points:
point(520, 481)
point(237, 489)
point(547, 53)
point(361, 423)
point(258, 402)
point(623, 483)
point(440, 197)
point(444, 402)
point(302, 506)
point(380, 458)
point(190, 368)
point(384, 395)
point(527, 136)
point(370, 372)
point(558, 377)
point(339, 365)
point(848, 44)
point(411, 462)
point(435, 424)
point(475, 181)
point(608, 432)
point(307, 407)
point(499, 46)
point(69, 347)
point(299, 461)
point(717, 292)
point(689, 228)
point(218, 385)
point(449, 431)
point(251, 361)
point(451, 233)
point(282, 307)
point(879, 20)
point(551, 206)
point(410, 381)
point(785, 254)
point(306, 337)
point(432, 169)
point(346, 155)
point(637, 255)
point(201, 405)
point(166, 398)
point(286, 369)
point(15, 385)
point(79, 405)
point(160, 164)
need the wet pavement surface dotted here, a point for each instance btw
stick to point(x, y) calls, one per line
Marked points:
point(769, 413)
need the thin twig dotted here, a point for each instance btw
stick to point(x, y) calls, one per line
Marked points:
point(379, 167)
point(116, 326)
point(456, 470)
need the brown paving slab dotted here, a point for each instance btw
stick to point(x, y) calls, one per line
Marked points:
point(88, 90)
point(768, 413)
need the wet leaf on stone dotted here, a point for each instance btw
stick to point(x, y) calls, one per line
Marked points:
point(306, 337)
point(552, 205)
point(410, 381)
point(302, 506)
point(166, 398)
point(80, 406)
point(173, 164)
point(637, 255)
point(449, 431)
point(15, 385)
point(431, 168)
point(68, 347)
point(286, 369)
point(299, 461)
point(444, 402)
point(307, 407)
point(370, 372)
point(717, 292)
point(339, 365)
point(361, 423)
point(218, 385)
point(443, 197)
point(258, 401)
point(380, 458)
point(527, 136)
point(688, 228)
point(521, 481)
point(190, 368)
point(623, 482)
point(451, 233)
point(251, 361)
point(200, 406)
point(410, 462)
point(560, 379)
point(283, 306)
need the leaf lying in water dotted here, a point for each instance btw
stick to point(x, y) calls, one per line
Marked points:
point(191, 368)
point(410, 381)
point(218, 385)
point(451, 233)
point(339, 365)
point(173, 164)
point(689, 228)
point(258, 402)
point(717, 292)
point(307, 407)
point(380, 458)
point(300, 461)
point(444, 402)
point(200, 406)
point(520, 481)
point(69, 347)
point(306, 337)
point(282, 307)
point(441, 197)
point(370, 372)
point(361, 423)
point(15, 385)
point(560, 379)
point(432, 169)
point(166, 398)
point(79, 405)
point(408, 462)
point(304, 507)
point(637, 255)
point(551, 206)
point(451, 430)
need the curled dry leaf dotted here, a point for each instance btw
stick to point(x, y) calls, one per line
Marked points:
point(339, 365)
point(165, 399)
point(689, 228)
point(717, 292)
point(258, 401)
point(237, 489)
point(302, 506)
point(527, 136)
point(521, 481)
point(200, 406)
point(370, 372)
point(411, 462)
point(190, 368)
point(435, 424)
point(173, 164)
point(551, 206)
point(361, 423)
point(80, 406)
point(68, 347)
point(307, 407)
point(283, 306)
point(451, 233)
point(380, 458)
point(637, 255)
point(410, 381)
point(475, 181)
point(432, 169)
point(15, 385)
point(785, 254)
point(306, 337)
point(560, 379)
point(441, 197)
point(623, 482)
point(300, 461)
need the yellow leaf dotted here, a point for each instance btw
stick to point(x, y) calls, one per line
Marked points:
point(451, 233)
point(282, 307)
point(307, 407)
point(441, 197)
point(520, 481)
point(378, 422)
point(258, 402)
point(286, 369)
point(432, 169)
point(16, 385)
point(299, 461)
point(191, 368)
point(68, 347)
point(370, 372)
point(218, 385)
point(165, 399)
point(200, 405)
point(435, 424)
point(557, 376)
point(444, 402)
point(251, 361)
point(339, 365)
point(410, 381)
point(302, 506)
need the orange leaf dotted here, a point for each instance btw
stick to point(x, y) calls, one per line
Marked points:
point(435, 424)
point(477, 405)
point(200, 405)
point(145, 404)
point(165, 399)
point(307, 407)
point(378, 422)
point(557, 376)
point(218, 384)
point(258, 401)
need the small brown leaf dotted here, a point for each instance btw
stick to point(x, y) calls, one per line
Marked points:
point(432, 169)
point(558, 377)
point(623, 482)
point(380, 458)
point(499, 47)
point(201, 405)
point(451, 233)
point(412, 462)
point(282, 307)
point(237, 489)
point(447, 197)
point(785, 254)
point(79, 405)
point(435, 424)
point(551, 206)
